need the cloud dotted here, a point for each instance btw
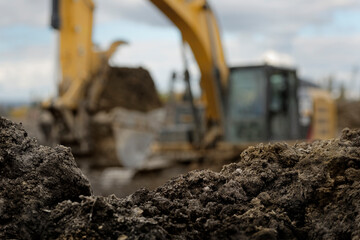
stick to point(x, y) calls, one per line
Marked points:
point(303, 32)
point(36, 13)
point(277, 14)
point(277, 21)
point(279, 59)
point(26, 80)
point(142, 11)
point(28, 73)
point(323, 56)
point(315, 56)
point(161, 58)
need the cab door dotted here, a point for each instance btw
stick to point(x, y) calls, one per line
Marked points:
point(246, 105)
point(283, 123)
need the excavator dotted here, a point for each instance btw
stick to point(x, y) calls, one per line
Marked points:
point(243, 105)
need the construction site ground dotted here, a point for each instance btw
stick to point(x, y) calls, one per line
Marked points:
point(122, 181)
point(271, 191)
point(277, 191)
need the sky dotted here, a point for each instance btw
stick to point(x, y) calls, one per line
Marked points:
point(319, 38)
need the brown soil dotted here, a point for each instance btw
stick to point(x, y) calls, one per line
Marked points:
point(348, 114)
point(130, 88)
point(33, 180)
point(276, 191)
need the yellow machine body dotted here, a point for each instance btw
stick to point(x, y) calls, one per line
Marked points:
point(79, 60)
point(323, 124)
point(199, 29)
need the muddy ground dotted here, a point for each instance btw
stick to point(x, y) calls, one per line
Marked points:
point(306, 191)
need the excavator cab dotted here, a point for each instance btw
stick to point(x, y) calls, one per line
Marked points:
point(261, 104)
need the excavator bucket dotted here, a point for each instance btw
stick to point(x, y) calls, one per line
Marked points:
point(128, 118)
point(124, 137)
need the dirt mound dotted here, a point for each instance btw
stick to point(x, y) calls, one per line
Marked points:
point(33, 180)
point(306, 191)
point(309, 191)
point(130, 88)
point(348, 114)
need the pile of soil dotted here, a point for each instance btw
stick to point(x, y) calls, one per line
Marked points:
point(275, 191)
point(307, 191)
point(130, 88)
point(33, 180)
point(348, 114)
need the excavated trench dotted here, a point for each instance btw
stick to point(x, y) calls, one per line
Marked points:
point(275, 191)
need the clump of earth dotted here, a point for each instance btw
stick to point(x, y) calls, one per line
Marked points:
point(274, 191)
point(33, 180)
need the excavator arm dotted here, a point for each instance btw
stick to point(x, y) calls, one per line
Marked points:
point(84, 69)
point(79, 60)
point(199, 29)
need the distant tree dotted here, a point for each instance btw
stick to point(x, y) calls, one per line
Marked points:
point(330, 83)
point(342, 96)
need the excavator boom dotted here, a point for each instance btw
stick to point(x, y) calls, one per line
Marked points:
point(79, 60)
point(74, 21)
point(199, 29)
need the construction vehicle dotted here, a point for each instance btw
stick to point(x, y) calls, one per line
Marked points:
point(249, 103)
point(242, 104)
point(264, 103)
point(93, 97)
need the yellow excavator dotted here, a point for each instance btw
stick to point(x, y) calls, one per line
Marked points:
point(95, 112)
point(248, 103)
point(242, 104)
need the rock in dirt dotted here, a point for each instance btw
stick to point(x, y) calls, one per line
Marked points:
point(33, 180)
point(275, 191)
